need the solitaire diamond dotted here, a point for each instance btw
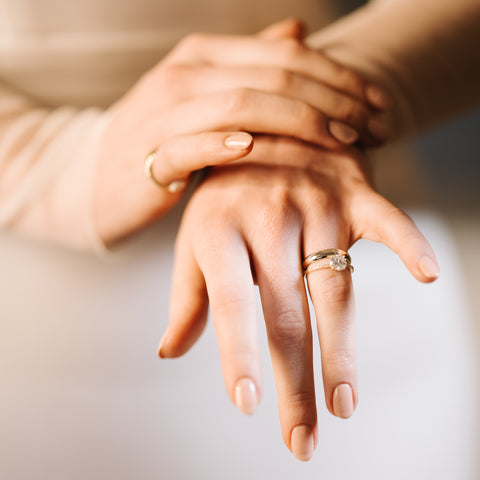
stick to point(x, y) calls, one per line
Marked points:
point(338, 262)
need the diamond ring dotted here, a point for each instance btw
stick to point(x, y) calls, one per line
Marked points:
point(332, 258)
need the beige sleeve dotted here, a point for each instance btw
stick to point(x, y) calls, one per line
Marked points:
point(426, 53)
point(47, 160)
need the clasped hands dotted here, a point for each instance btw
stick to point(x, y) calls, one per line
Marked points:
point(296, 187)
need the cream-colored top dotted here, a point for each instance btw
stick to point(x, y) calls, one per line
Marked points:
point(87, 54)
point(54, 54)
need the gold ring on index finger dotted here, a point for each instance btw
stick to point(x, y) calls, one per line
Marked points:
point(172, 187)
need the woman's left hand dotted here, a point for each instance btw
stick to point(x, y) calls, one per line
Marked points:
point(252, 222)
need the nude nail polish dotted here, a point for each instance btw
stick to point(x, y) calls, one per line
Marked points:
point(343, 401)
point(428, 267)
point(303, 442)
point(246, 396)
point(343, 133)
point(238, 141)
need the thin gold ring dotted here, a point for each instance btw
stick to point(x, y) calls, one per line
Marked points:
point(332, 258)
point(172, 187)
point(321, 254)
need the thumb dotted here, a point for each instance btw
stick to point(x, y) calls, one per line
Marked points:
point(289, 28)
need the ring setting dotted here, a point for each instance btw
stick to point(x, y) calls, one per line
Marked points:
point(332, 258)
point(172, 187)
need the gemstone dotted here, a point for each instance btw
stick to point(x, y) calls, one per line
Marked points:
point(338, 262)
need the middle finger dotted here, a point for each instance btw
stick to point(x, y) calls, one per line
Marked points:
point(289, 333)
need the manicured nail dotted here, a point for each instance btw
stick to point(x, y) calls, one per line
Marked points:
point(378, 98)
point(246, 396)
point(343, 401)
point(238, 141)
point(303, 442)
point(343, 133)
point(428, 267)
point(379, 130)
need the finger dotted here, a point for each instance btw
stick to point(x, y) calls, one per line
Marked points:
point(289, 28)
point(332, 297)
point(238, 109)
point(287, 53)
point(201, 80)
point(232, 298)
point(287, 320)
point(188, 302)
point(380, 221)
point(178, 157)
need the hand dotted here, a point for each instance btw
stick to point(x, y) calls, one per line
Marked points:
point(254, 221)
point(216, 84)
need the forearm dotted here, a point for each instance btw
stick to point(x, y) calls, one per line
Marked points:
point(424, 52)
point(47, 161)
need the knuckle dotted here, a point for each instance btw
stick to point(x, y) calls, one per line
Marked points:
point(291, 49)
point(227, 299)
point(192, 42)
point(290, 329)
point(307, 115)
point(172, 73)
point(237, 99)
point(280, 80)
point(303, 399)
point(351, 81)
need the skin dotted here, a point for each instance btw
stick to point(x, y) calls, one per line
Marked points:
point(216, 84)
point(264, 205)
point(252, 222)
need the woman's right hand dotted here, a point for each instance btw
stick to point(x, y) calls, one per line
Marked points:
point(207, 86)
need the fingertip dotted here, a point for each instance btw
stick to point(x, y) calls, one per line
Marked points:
point(343, 403)
point(303, 442)
point(239, 141)
point(161, 351)
point(428, 268)
point(246, 396)
point(342, 132)
point(378, 98)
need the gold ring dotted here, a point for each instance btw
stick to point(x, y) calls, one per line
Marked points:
point(172, 187)
point(332, 258)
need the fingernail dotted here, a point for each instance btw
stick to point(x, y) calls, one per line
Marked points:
point(246, 396)
point(303, 442)
point(428, 267)
point(238, 141)
point(163, 341)
point(343, 401)
point(342, 132)
point(377, 97)
point(379, 130)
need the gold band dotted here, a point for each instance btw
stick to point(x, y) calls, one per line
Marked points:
point(332, 258)
point(172, 187)
point(320, 255)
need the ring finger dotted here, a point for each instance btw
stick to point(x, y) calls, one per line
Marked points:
point(331, 292)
